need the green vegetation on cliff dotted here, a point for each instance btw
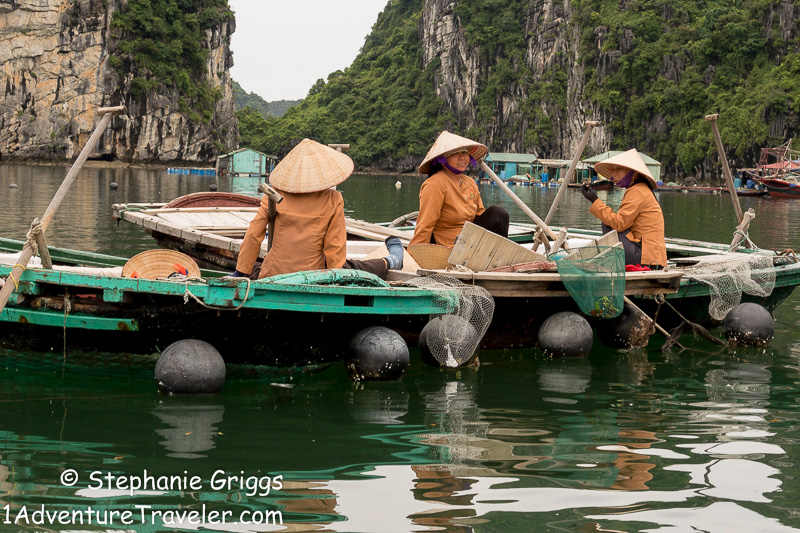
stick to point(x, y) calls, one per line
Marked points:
point(686, 60)
point(255, 102)
point(651, 69)
point(162, 44)
point(383, 105)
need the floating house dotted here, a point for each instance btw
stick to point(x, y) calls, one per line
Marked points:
point(653, 165)
point(508, 165)
point(245, 162)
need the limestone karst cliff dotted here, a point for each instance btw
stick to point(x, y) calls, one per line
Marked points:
point(524, 75)
point(56, 72)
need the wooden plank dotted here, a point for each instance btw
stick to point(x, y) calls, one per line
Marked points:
point(60, 320)
point(375, 232)
point(480, 250)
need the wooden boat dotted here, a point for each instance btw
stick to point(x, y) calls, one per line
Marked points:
point(538, 293)
point(782, 188)
point(710, 190)
point(84, 302)
point(210, 227)
point(523, 299)
point(601, 184)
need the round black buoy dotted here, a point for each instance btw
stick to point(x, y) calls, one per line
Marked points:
point(190, 366)
point(565, 334)
point(114, 186)
point(630, 329)
point(749, 324)
point(377, 353)
point(452, 338)
point(212, 187)
point(12, 186)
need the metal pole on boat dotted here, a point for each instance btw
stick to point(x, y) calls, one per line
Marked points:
point(519, 202)
point(590, 124)
point(27, 251)
point(726, 170)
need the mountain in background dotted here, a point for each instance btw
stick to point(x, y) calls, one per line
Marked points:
point(525, 75)
point(255, 102)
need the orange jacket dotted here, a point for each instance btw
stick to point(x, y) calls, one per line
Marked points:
point(310, 234)
point(641, 213)
point(445, 204)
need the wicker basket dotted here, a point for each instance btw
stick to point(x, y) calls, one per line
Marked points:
point(430, 256)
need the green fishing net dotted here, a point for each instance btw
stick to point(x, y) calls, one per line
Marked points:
point(595, 278)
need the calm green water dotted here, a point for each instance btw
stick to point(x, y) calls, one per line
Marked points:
point(700, 440)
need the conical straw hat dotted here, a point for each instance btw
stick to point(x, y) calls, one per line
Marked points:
point(630, 160)
point(159, 263)
point(430, 255)
point(311, 167)
point(449, 143)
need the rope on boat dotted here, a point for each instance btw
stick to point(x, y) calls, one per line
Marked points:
point(464, 269)
point(31, 238)
point(11, 275)
point(188, 294)
point(745, 237)
point(697, 329)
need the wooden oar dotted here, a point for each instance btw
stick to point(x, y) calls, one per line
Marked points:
point(590, 124)
point(726, 170)
point(545, 228)
point(273, 199)
point(27, 251)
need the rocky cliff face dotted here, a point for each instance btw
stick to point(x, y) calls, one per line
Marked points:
point(551, 45)
point(55, 75)
point(544, 113)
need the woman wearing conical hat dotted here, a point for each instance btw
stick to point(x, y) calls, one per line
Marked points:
point(639, 220)
point(310, 231)
point(449, 198)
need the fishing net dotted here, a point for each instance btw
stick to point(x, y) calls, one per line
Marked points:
point(452, 336)
point(730, 275)
point(595, 278)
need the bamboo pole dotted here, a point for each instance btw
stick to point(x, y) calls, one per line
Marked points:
point(27, 251)
point(590, 124)
point(726, 170)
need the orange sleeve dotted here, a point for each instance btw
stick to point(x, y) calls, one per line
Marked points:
point(251, 244)
point(431, 199)
point(335, 243)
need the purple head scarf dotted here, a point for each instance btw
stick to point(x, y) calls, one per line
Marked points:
point(443, 161)
point(627, 181)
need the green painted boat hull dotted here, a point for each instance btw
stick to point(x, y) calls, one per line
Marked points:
point(293, 319)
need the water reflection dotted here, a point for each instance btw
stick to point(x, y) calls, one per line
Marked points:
point(192, 427)
point(370, 404)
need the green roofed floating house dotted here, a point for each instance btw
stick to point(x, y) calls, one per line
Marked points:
point(518, 168)
point(653, 165)
point(245, 162)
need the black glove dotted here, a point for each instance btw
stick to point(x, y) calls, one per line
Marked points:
point(588, 192)
point(236, 274)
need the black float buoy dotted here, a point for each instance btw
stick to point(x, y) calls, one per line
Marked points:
point(212, 187)
point(749, 324)
point(631, 329)
point(190, 366)
point(12, 186)
point(448, 335)
point(377, 353)
point(566, 334)
point(114, 186)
